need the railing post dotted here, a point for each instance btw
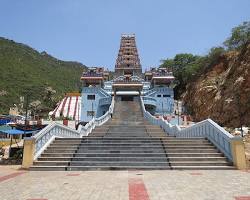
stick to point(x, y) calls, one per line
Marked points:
point(238, 152)
point(28, 152)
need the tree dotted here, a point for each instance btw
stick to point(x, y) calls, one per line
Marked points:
point(239, 37)
point(184, 67)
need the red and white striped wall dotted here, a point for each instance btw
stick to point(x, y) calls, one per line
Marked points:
point(69, 106)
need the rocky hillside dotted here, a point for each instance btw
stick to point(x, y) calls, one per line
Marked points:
point(26, 72)
point(223, 91)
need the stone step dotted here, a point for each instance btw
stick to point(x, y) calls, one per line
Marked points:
point(108, 154)
point(99, 163)
point(159, 150)
point(162, 158)
point(130, 142)
point(145, 148)
point(91, 168)
point(105, 159)
point(165, 144)
point(129, 163)
point(226, 167)
point(200, 163)
point(105, 146)
point(128, 138)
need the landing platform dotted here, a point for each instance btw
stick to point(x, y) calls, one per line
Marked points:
point(124, 185)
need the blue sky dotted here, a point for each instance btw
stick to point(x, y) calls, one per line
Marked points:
point(89, 31)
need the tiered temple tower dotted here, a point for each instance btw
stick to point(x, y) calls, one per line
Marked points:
point(128, 62)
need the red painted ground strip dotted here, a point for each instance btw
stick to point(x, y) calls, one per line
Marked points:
point(246, 170)
point(242, 198)
point(10, 176)
point(137, 190)
point(196, 173)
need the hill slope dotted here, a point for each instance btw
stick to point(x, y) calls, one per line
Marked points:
point(24, 70)
point(223, 92)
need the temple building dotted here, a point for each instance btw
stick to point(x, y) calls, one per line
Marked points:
point(128, 62)
point(128, 84)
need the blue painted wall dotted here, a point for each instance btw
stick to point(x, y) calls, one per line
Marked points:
point(164, 97)
point(88, 104)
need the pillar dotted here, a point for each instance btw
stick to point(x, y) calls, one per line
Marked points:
point(238, 153)
point(28, 152)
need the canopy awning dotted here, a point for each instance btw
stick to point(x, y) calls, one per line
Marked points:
point(15, 132)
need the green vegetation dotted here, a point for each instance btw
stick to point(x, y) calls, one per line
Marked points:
point(240, 37)
point(26, 72)
point(187, 67)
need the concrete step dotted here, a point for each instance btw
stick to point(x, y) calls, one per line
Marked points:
point(129, 163)
point(105, 159)
point(162, 158)
point(200, 163)
point(131, 138)
point(204, 151)
point(121, 154)
point(105, 168)
point(135, 150)
point(98, 168)
point(129, 144)
point(98, 163)
point(190, 142)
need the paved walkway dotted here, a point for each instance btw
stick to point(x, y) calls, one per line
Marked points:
point(124, 185)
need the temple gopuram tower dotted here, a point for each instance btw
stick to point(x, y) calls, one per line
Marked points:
point(128, 62)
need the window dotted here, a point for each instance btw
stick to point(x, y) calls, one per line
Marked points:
point(91, 97)
point(90, 113)
point(158, 95)
point(166, 95)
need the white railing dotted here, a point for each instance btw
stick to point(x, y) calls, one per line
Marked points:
point(149, 100)
point(105, 101)
point(207, 128)
point(150, 92)
point(103, 92)
point(43, 138)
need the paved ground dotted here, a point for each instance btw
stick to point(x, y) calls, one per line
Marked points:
point(130, 185)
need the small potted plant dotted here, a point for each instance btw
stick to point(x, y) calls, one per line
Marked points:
point(65, 121)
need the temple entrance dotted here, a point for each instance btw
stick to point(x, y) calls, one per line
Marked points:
point(127, 98)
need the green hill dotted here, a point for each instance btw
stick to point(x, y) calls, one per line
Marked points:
point(24, 71)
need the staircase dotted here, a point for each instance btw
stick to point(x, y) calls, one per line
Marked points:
point(129, 142)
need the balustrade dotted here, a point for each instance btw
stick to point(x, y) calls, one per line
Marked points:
point(207, 128)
